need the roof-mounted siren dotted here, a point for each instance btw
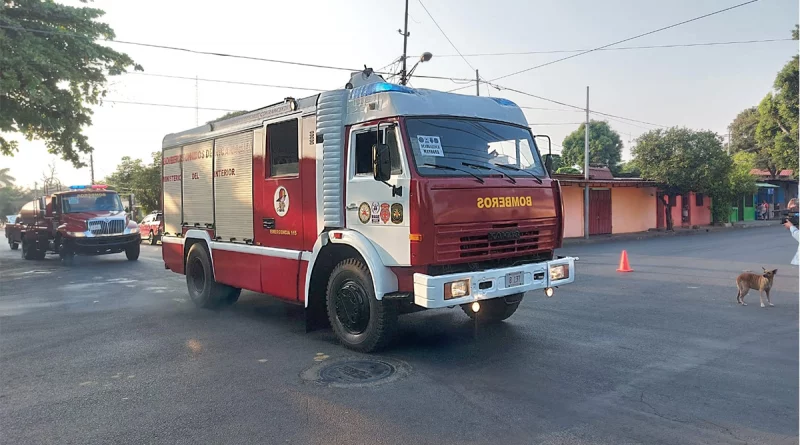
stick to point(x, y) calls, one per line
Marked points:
point(361, 78)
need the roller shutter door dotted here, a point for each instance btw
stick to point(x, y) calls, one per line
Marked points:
point(233, 187)
point(171, 186)
point(198, 205)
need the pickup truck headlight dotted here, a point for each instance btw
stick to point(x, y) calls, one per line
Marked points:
point(559, 272)
point(76, 234)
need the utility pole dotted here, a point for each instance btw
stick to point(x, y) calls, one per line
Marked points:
point(91, 166)
point(477, 84)
point(403, 78)
point(586, 172)
point(196, 101)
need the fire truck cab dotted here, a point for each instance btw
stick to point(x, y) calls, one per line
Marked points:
point(84, 220)
point(365, 202)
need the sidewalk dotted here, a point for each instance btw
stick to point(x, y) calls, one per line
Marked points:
point(679, 231)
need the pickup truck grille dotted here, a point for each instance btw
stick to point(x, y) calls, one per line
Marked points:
point(102, 227)
point(487, 240)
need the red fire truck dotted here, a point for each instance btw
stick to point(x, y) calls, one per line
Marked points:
point(84, 220)
point(365, 202)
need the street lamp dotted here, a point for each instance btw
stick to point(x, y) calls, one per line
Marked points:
point(425, 57)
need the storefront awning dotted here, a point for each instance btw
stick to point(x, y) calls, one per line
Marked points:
point(766, 186)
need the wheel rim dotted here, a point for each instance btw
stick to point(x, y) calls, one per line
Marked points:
point(150, 238)
point(197, 276)
point(352, 307)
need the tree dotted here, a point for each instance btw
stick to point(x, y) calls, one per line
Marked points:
point(6, 180)
point(567, 171)
point(143, 180)
point(228, 116)
point(777, 130)
point(629, 170)
point(736, 183)
point(743, 131)
point(681, 160)
point(605, 146)
point(52, 71)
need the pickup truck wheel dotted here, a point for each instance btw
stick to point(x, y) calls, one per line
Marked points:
point(204, 291)
point(151, 239)
point(494, 310)
point(132, 252)
point(13, 245)
point(359, 320)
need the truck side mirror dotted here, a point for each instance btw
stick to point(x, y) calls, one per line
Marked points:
point(381, 162)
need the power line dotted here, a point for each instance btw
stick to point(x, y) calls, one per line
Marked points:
point(676, 45)
point(166, 105)
point(445, 35)
point(234, 82)
point(620, 41)
point(554, 123)
point(211, 53)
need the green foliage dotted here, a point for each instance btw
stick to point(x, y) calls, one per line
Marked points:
point(143, 180)
point(629, 170)
point(777, 130)
point(49, 78)
point(6, 180)
point(605, 146)
point(738, 182)
point(683, 160)
point(228, 116)
point(743, 131)
point(567, 171)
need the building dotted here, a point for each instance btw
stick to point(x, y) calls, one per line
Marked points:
point(625, 205)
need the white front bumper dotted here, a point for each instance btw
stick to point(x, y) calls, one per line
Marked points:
point(429, 290)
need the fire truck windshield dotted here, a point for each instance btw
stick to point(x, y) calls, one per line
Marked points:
point(449, 142)
point(91, 202)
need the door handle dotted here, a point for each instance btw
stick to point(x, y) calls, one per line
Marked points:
point(352, 206)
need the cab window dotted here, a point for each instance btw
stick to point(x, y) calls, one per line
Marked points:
point(282, 148)
point(363, 150)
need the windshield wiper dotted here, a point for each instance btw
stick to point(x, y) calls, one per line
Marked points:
point(484, 167)
point(447, 167)
point(519, 170)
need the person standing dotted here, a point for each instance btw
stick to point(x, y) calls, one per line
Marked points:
point(796, 235)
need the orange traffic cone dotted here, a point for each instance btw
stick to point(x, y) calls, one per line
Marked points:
point(623, 263)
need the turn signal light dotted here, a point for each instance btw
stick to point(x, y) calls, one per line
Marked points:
point(416, 237)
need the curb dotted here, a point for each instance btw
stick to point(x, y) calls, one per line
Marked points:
point(648, 235)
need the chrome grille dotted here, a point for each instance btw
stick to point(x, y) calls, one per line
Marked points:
point(103, 227)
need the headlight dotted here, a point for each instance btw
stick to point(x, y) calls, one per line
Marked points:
point(456, 289)
point(134, 230)
point(560, 272)
point(76, 234)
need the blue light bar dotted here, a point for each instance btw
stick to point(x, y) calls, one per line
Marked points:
point(378, 87)
point(78, 187)
point(504, 102)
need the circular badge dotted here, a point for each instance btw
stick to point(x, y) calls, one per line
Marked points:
point(364, 213)
point(281, 201)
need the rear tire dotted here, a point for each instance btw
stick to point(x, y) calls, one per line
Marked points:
point(494, 310)
point(13, 245)
point(132, 251)
point(151, 239)
point(359, 320)
point(204, 291)
point(30, 252)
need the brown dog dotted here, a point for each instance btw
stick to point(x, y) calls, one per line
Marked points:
point(748, 280)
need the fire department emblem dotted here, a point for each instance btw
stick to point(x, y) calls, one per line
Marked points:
point(364, 213)
point(397, 213)
point(385, 213)
point(281, 201)
point(376, 213)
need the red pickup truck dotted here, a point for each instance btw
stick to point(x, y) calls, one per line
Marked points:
point(152, 227)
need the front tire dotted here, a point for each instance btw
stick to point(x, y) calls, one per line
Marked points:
point(13, 245)
point(359, 320)
point(66, 255)
point(132, 252)
point(30, 252)
point(494, 310)
point(204, 291)
point(151, 239)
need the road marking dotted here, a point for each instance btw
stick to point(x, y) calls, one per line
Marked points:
point(262, 360)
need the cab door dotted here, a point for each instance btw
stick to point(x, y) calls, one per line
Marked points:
point(280, 211)
point(378, 210)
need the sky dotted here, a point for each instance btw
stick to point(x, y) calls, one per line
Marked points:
point(702, 87)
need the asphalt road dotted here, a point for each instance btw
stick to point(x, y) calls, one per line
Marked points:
point(114, 352)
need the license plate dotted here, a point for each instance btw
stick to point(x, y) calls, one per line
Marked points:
point(514, 279)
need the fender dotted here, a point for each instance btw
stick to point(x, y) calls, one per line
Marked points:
point(194, 234)
point(384, 280)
